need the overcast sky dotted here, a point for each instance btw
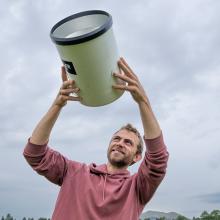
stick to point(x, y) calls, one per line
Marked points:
point(173, 47)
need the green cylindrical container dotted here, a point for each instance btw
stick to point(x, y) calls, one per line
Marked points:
point(87, 47)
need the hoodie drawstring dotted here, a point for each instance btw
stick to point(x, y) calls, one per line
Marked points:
point(103, 191)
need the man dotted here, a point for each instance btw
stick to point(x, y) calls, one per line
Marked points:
point(105, 192)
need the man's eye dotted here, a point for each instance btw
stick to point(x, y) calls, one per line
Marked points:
point(128, 142)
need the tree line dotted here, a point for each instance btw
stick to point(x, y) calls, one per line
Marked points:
point(213, 215)
point(10, 217)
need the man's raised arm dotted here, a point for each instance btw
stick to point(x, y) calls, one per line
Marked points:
point(43, 129)
point(44, 160)
point(153, 167)
point(149, 121)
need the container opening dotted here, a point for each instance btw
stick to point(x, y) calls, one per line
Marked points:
point(80, 26)
point(81, 32)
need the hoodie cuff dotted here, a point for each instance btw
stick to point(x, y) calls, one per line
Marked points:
point(35, 149)
point(156, 144)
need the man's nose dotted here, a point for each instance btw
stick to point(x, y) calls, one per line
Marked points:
point(121, 143)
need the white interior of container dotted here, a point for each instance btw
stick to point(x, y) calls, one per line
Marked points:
point(80, 26)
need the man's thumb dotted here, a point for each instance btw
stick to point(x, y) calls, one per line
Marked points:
point(63, 74)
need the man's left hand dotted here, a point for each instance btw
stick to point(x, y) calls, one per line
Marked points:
point(132, 83)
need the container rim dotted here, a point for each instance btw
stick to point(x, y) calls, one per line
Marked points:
point(85, 37)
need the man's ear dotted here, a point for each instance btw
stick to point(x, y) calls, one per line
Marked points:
point(137, 158)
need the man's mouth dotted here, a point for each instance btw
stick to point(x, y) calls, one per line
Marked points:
point(119, 151)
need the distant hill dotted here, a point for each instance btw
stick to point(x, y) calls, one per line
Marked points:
point(153, 215)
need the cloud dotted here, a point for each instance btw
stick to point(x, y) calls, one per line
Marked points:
point(173, 46)
point(210, 198)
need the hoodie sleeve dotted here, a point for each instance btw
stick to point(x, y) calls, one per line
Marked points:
point(47, 162)
point(152, 169)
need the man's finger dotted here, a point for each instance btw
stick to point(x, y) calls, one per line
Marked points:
point(68, 91)
point(125, 78)
point(70, 98)
point(129, 70)
point(63, 74)
point(68, 84)
point(124, 87)
point(74, 98)
point(125, 69)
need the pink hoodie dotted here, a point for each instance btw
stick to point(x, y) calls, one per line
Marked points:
point(90, 192)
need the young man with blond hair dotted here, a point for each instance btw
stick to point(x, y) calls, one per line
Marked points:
point(107, 191)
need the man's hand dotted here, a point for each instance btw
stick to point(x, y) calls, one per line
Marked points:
point(43, 129)
point(68, 87)
point(132, 85)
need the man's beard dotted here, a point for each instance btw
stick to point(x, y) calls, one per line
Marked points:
point(119, 163)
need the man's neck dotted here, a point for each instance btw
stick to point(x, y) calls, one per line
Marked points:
point(113, 169)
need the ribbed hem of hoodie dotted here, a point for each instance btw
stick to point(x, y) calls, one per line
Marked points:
point(156, 144)
point(35, 149)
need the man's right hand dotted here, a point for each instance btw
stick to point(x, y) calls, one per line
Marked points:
point(68, 87)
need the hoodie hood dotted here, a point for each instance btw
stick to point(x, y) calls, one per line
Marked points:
point(102, 169)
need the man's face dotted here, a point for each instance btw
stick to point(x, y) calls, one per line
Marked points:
point(122, 150)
